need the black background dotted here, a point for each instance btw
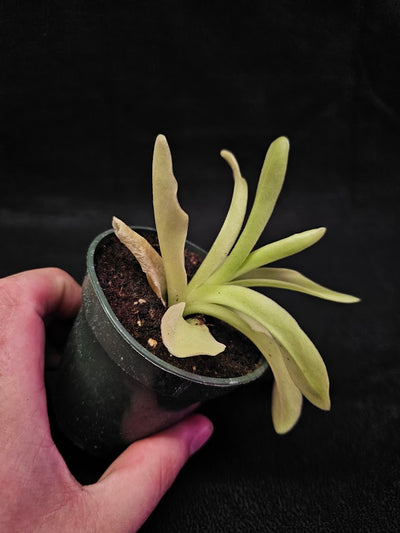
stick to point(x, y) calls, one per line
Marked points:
point(86, 87)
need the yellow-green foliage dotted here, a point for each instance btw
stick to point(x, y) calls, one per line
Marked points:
point(222, 285)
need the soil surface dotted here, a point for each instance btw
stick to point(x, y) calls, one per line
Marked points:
point(140, 311)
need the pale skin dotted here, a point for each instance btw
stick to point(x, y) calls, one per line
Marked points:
point(37, 491)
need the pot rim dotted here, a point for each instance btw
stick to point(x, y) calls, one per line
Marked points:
point(150, 357)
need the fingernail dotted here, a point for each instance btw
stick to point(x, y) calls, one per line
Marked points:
point(201, 434)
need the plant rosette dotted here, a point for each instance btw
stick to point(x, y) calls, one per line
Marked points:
point(112, 390)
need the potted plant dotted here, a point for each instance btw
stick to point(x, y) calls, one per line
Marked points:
point(113, 390)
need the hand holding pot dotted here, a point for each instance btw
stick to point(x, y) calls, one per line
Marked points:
point(37, 491)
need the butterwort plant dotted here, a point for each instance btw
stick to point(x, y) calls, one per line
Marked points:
point(223, 286)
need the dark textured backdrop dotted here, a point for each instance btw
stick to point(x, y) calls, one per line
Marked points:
point(86, 86)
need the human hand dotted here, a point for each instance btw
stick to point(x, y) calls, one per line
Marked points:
point(37, 491)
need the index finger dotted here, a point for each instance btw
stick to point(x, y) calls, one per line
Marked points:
point(46, 290)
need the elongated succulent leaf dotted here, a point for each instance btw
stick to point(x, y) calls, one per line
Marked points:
point(281, 249)
point(287, 399)
point(303, 361)
point(171, 221)
point(149, 259)
point(285, 278)
point(186, 338)
point(230, 228)
point(268, 189)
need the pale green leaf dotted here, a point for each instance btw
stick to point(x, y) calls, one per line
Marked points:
point(284, 278)
point(171, 221)
point(287, 402)
point(230, 228)
point(149, 259)
point(268, 189)
point(281, 249)
point(187, 338)
point(303, 361)
point(287, 399)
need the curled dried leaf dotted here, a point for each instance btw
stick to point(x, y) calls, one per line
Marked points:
point(150, 261)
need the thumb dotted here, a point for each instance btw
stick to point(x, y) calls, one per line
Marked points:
point(135, 482)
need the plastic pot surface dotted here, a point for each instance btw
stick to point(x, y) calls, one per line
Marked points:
point(110, 390)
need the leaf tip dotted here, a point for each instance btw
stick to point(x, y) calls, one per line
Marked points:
point(324, 402)
point(328, 404)
point(161, 138)
point(282, 142)
point(225, 154)
point(116, 223)
point(161, 148)
point(349, 299)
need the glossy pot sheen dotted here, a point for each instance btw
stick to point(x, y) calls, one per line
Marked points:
point(110, 390)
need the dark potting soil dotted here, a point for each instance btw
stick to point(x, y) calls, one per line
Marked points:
point(140, 311)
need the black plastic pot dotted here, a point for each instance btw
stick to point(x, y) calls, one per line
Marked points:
point(110, 390)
